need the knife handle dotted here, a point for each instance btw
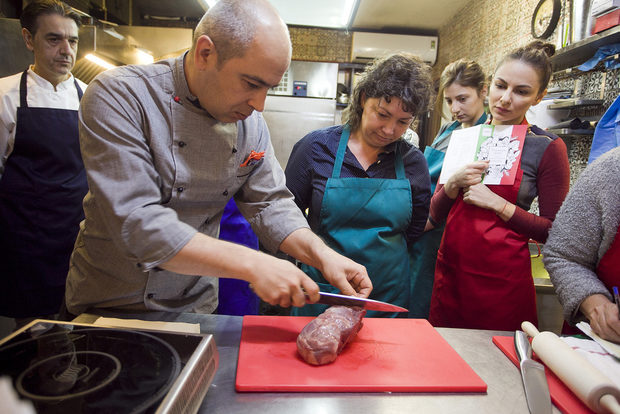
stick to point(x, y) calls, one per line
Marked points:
point(522, 346)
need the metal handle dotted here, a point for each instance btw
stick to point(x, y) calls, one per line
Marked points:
point(522, 346)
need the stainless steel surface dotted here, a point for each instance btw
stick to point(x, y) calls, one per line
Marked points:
point(290, 118)
point(368, 304)
point(16, 56)
point(321, 78)
point(124, 45)
point(190, 388)
point(581, 21)
point(504, 395)
point(533, 376)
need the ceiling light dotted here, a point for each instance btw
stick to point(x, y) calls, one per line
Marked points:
point(334, 14)
point(207, 4)
point(97, 60)
point(114, 33)
point(144, 57)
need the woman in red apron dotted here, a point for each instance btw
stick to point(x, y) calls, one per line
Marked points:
point(483, 274)
point(582, 253)
point(464, 89)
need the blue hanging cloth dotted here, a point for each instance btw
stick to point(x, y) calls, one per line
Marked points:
point(607, 132)
point(601, 54)
point(235, 296)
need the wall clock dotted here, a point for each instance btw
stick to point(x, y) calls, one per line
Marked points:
point(545, 18)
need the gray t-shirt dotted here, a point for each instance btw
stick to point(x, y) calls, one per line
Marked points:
point(159, 170)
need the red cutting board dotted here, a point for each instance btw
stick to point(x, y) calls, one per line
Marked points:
point(388, 355)
point(561, 395)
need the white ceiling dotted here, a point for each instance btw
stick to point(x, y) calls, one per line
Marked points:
point(405, 14)
point(397, 16)
point(394, 15)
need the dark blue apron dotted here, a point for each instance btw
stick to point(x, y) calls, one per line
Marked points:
point(41, 192)
point(234, 295)
point(365, 219)
point(424, 250)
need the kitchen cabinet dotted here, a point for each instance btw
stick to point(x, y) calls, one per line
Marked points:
point(577, 53)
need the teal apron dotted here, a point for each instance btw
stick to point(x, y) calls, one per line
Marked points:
point(365, 219)
point(424, 250)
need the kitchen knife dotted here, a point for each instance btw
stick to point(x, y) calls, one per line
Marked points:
point(368, 304)
point(533, 375)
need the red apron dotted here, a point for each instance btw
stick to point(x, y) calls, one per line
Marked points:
point(608, 271)
point(483, 275)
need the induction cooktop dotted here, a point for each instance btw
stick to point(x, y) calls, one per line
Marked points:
point(66, 367)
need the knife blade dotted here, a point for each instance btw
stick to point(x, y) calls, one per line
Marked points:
point(368, 304)
point(533, 376)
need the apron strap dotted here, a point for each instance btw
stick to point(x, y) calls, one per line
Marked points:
point(398, 164)
point(23, 103)
point(446, 132)
point(342, 148)
point(79, 90)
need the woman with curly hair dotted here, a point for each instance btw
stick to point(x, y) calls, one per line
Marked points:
point(367, 191)
point(483, 276)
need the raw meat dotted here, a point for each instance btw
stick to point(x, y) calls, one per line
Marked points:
point(324, 338)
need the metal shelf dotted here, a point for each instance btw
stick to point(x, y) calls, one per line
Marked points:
point(573, 103)
point(577, 53)
point(568, 131)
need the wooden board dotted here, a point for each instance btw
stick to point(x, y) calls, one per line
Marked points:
point(388, 355)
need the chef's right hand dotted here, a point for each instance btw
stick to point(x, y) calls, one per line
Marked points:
point(470, 174)
point(280, 282)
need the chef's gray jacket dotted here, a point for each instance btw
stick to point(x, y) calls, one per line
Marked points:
point(159, 170)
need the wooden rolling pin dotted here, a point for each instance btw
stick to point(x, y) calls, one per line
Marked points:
point(592, 387)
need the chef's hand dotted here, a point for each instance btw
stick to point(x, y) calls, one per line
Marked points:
point(469, 175)
point(280, 282)
point(349, 277)
point(345, 274)
point(603, 316)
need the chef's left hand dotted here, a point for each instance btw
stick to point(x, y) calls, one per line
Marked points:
point(345, 274)
point(480, 195)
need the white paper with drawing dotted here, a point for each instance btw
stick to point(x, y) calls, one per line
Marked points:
point(502, 145)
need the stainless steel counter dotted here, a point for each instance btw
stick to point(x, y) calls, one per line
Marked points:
point(504, 393)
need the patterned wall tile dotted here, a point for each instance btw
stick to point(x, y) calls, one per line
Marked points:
point(320, 45)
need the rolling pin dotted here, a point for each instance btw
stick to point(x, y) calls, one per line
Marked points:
point(592, 387)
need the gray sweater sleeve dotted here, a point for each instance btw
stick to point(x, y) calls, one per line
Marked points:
point(582, 232)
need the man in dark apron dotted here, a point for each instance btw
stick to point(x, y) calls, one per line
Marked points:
point(42, 181)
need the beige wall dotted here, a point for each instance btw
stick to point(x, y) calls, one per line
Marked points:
point(484, 30)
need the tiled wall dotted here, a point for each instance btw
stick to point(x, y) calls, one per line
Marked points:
point(320, 45)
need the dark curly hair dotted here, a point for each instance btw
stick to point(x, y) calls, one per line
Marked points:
point(401, 75)
point(537, 54)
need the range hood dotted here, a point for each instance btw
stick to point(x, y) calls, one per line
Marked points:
point(124, 45)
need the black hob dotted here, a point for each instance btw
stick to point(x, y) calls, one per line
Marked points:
point(80, 368)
